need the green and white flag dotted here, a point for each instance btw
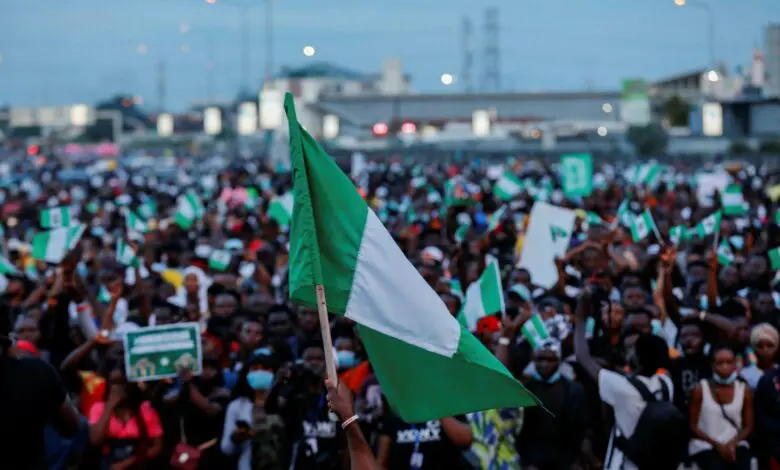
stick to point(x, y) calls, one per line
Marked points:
point(535, 331)
point(57, 217)
point(709, 225)
point(624, 215)
point(339, 246)
point(104, 296)
point(678, 234)
point(189, 208)
point(725, 255)
point(774, 258)
point(53, 245)
point(280, 209)
point(495, 219)
point(484, 297)
point(577, 174)
point(461, 232)
point(647, 174)
point(507, 186)
point(6, 266)
point(643, 225)
point(125, 254)
point(134, 223)
point(733, 201)
point(219, 260)
point(593, 220)
point(148, 208)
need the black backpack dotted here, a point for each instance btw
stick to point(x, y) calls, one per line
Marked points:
point(660, 440)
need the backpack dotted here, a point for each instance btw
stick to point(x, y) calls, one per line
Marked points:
point(660, 440)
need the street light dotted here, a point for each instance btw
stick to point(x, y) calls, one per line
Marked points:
point(706, 8)
point(447, 79)
point(309, 51)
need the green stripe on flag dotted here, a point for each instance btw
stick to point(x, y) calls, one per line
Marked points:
point(535, 331)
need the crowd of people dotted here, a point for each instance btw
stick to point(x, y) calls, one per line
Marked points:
point(665, 341)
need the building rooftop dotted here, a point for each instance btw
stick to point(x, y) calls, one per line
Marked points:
point(323, 70)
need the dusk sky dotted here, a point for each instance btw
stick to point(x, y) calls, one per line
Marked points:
point(70, 51)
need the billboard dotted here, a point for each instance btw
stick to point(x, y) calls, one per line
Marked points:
point(634, 103)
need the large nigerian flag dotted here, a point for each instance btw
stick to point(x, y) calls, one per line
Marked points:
point(428, 365)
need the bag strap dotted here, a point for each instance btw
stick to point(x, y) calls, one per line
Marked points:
point(183, 437)
point(715, 396)
point(644, 392)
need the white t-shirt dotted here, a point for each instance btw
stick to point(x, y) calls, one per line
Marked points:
point(627, 403)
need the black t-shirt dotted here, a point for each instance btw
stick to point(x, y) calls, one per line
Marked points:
point(686, 373)
point(552, 436)
point(320, 440)
point(30, 395)
point(434, 447)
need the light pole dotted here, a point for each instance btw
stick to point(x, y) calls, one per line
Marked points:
point(706, 8)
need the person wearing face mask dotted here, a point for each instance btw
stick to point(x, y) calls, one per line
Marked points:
point(764, 342)
point(721, 416)
point(346, 358)
point(552, 439)
point(250, 431)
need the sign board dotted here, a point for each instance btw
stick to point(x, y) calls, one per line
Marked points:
point(271, 109)
point(165, 125)
point(480, 123)
point(158, 352)
point(247, 118)
point(52, 116)
point(577, 173)
point(712, 119)
point(212, 121)
point(548, 236)
point(634, 103)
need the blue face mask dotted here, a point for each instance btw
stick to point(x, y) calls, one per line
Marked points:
point(260, 379)
point(346, 359)
point(550, 380)
point(703, 302)
point(725, 381)
point(738, 241)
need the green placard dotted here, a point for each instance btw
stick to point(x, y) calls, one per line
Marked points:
point(577, 174)
point(157, 352)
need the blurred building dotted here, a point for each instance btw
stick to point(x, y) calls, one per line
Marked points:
point(772, 59)
point(311, 82)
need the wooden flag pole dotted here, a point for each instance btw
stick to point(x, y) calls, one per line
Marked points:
point(327, 343)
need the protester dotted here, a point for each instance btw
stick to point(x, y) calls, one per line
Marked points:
point(721, 416)
point(614, 309)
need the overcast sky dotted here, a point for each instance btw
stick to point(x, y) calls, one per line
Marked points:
point(67, 51)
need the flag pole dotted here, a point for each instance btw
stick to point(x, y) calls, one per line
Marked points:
point(327, 343)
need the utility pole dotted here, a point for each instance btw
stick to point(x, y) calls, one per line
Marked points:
point(269, 40)
point(467, 54)
point(210, 65)
point(161, 88)
point(245, 44)
point(491, 80)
